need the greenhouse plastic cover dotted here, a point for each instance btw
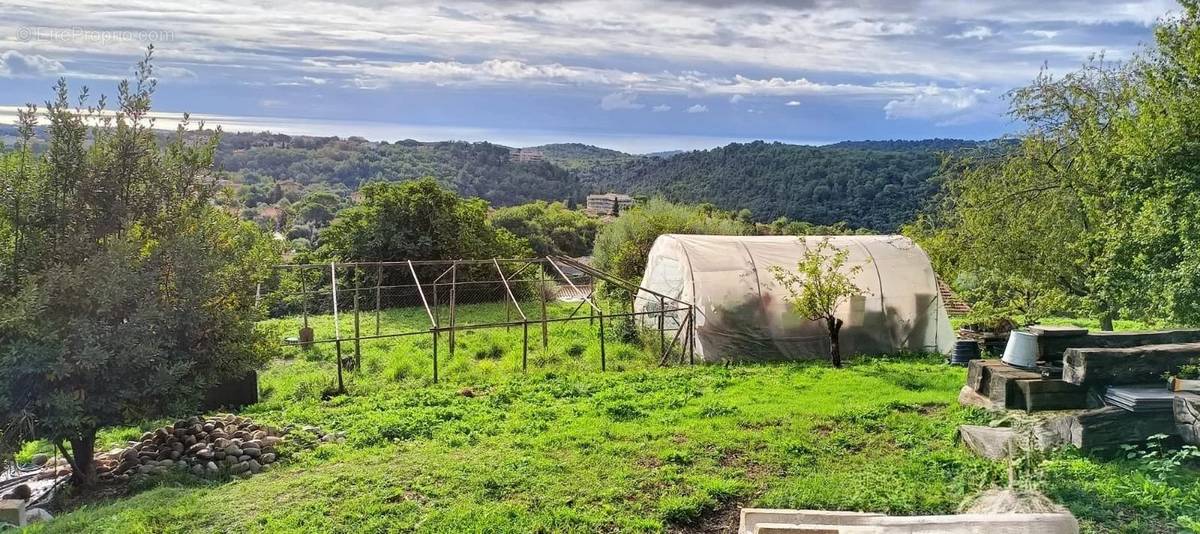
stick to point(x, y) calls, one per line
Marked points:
point(742, 312)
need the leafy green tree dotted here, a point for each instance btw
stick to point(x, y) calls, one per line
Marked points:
point(126, 294)
point(318, 207)
point(1152, 246)
point(418, 220)
point(821, 284)
point(623, 244)
point(1093, 210)
point(550, 227)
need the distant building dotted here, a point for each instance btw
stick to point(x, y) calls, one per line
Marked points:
point(526, 155)
point(609, 203)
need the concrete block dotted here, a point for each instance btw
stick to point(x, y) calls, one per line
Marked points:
point(763, 516)
point(758, 521)
point(12, 511)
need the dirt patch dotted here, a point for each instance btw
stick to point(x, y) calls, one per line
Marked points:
point(931, 409)
point(720, 521)
point(409, 496)
point(1011, 502)
point(648, 462)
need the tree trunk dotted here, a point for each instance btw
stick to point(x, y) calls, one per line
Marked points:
point(835, 351)
point(81, 458)
point(1106, 317)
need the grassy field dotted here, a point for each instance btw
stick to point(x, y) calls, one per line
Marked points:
point(566, 448)
point(1119, 325)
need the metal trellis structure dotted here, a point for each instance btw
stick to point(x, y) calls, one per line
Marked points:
point(546, 294)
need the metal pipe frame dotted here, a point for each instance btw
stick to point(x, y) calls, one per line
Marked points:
point(685, 341)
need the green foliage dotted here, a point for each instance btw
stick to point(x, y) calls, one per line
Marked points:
point(1158, 460)
point(1093, 210)
point(820, 284)
point(417, 220)
point(1189, 371)
point(866, 188)
point(472, 169)
point(623, 244)
point(878, 185)
point(550, 228)
point(124, 294)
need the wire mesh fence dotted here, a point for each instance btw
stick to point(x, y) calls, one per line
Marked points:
point(515, 313)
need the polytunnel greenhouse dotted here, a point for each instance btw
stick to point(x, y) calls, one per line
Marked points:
point(742, 313)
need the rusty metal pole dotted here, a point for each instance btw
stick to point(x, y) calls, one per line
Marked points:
point(304, 298)
point(378, 286)
point(357, 324)
point(692, 335)
point(453, 292)
point(542, 297)
point(603, 356)
point(337, 330)
point(435, 361)
point(662, 333)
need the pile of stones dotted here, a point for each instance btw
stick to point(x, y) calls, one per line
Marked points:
point(205, 447)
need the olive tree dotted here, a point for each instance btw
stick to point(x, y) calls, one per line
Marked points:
point(125, 293)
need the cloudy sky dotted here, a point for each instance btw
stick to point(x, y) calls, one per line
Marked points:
point(638, 75)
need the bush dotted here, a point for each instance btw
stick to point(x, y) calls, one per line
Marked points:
point(622, 245)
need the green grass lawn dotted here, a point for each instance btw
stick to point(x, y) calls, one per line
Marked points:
point(566, 448)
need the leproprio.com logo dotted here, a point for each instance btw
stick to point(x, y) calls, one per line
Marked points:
point(84, 35)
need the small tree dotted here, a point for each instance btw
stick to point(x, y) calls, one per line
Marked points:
point(125, 293)
point(819, 286)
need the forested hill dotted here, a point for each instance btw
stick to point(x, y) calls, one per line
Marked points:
point(474, 169)
point(867, 184)
point(876, 189)
point(575, 156)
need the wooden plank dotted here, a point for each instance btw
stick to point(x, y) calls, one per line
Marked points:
point(1119, 366)
point(1001, 385)
point(1057, 331)
point(1053, 348)
point(1105, 428)
point(976, 369)
point(1046, 394)
point(994, 443)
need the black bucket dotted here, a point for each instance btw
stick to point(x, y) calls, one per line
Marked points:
point(965, 350)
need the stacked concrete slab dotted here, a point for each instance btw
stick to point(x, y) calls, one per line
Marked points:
point(772, 521)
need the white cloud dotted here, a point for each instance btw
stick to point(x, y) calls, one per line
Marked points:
point(698, 108)
point(660, 108)
point(14, 64)
point(176, 73)
point(381, 74)
point(620, 100)
point(1042, 34)
point(948, 105)
point(1073, 51)
point(978, 32)
point(792, 103)
point(815, 38)
point(315, 81)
